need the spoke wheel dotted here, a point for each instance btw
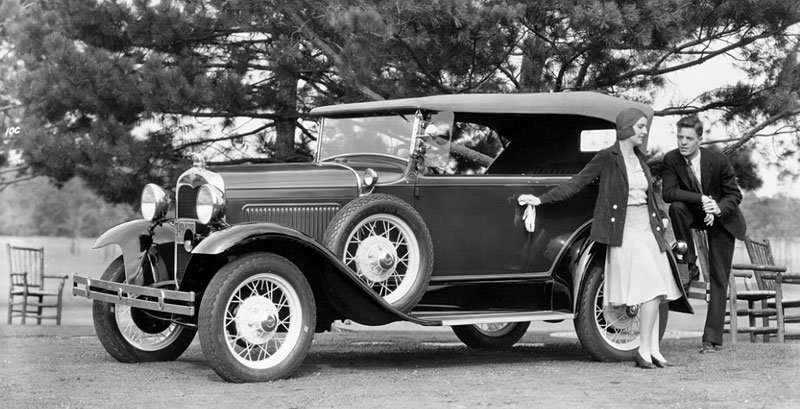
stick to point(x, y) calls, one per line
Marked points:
point(262, 321)
point(144, 338)
point(386, 244)
point(131, 334)
point(385, 254)
point(257, 319)
point(617, 324)
point(491, 336)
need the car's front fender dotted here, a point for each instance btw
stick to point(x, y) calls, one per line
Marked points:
point(128, 236)
point(350, 296)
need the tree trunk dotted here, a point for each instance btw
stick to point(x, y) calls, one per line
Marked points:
point(286, 109)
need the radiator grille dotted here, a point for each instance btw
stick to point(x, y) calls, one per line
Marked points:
point(187, 196)
point(309, 219)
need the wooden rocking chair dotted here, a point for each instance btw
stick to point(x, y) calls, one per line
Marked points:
point(27, 296)
point(763, 291)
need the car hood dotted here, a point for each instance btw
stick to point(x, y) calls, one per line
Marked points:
point(287, 176)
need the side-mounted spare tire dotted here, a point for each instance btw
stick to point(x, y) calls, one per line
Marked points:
point(387, 244)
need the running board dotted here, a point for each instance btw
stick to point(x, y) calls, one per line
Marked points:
point(472, 317)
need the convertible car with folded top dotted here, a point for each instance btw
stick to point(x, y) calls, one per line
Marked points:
point(409, 212)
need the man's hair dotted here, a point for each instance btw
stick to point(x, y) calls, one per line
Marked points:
point(692, 122)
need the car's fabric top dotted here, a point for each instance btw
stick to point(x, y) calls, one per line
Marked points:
point(589, 104)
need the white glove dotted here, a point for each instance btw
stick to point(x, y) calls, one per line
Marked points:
point(529, 216)
point(528, 200)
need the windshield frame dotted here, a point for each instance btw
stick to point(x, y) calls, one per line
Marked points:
point(409, 146)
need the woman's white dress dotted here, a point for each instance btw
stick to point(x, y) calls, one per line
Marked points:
point(637, 271)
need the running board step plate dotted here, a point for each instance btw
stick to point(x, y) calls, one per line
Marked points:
point(472, 317)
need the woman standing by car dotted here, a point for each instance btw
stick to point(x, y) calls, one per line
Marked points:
point(628, 221)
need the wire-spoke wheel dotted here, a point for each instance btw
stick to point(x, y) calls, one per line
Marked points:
point(134, 335)
point(385, 254)
point(149, 339)
point(257, 319)
point(384, 241)
point(608, 333)
point(617, 324)
point(496, 335)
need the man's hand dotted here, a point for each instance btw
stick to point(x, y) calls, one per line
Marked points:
point(709, 219)
point(525, 200)
point(710, 206)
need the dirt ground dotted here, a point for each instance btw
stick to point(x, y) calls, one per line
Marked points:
point(49, 366)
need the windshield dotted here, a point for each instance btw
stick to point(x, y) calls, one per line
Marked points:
point(384, 135)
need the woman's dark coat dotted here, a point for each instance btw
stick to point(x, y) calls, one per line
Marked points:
point(612, 198)
point(612, 204)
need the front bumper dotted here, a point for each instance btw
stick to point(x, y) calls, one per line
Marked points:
point(148, 298)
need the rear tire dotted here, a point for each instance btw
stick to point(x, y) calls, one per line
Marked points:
point(609, 334)
point(491, 336)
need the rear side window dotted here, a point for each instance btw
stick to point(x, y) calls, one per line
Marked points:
point(594, 140)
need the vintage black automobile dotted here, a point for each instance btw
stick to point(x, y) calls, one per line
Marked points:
point(408, 213)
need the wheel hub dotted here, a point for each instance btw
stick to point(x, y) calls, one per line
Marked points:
point(376, 258)
point(620, 317)
point(257, 319)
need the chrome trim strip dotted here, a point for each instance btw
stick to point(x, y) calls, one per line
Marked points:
point(532, 177)
point(471, 318)
point(494, 277)
point(125, 294)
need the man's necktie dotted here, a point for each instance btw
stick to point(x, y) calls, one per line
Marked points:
point(694, 184)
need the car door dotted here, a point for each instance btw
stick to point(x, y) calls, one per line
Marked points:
point(473, 216)
point(475, 224)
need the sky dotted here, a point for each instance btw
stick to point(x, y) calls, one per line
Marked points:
point(687, 84)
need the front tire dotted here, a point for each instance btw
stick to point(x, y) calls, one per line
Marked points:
point(491, 336)
point(257, 319)
point(130, 334)
point(612, 333)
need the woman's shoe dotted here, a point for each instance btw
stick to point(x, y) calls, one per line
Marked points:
point(660, 364)
point(641, 363)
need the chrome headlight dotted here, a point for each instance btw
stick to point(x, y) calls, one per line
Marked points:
point(210, 204)
point(155, 202)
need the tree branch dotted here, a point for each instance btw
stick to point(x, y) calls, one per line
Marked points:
point(654, 70)
point(756, 129)
point(320, 43)
point(226, 138)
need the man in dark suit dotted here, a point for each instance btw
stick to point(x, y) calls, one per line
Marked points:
point(701, 188)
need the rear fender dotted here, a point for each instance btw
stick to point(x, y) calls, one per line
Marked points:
point(596, 252)
point(333, 283)
point(133, 240)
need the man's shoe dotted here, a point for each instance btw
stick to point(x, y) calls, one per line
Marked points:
point(709, 348)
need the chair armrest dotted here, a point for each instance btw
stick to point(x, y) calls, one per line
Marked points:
point(759, 267)
point(63, 279)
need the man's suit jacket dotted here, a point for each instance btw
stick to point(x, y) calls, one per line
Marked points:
point(717, 180)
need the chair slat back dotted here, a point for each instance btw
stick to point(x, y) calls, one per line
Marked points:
point(760, 252)
point(26, 260)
